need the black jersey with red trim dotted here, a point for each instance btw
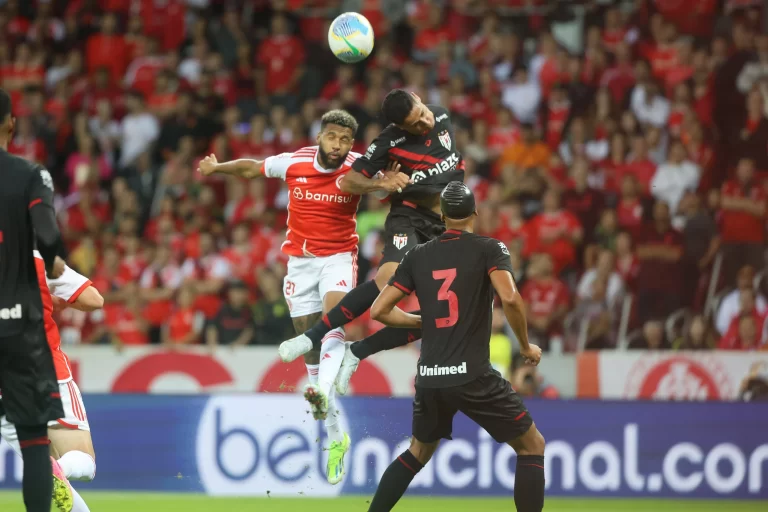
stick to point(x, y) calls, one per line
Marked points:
point(451, 278)
point(431, 160)
point(26, 197)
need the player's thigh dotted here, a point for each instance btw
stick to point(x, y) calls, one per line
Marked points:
point(432, 416)
point(64, 440)
point(30, 389)
point(491, 402)
point(301, 286)
point(72, 431)
point(337, 278)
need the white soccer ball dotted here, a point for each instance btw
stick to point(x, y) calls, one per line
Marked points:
point(350, 37)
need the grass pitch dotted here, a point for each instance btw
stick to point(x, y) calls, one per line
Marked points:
point(10, 501)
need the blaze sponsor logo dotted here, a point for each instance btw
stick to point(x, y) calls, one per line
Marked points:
point(449, 164)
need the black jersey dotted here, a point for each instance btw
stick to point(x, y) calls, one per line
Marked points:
point(431, 160)
point(451, 278)
point(26, 216)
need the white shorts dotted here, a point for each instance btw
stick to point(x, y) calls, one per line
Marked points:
point(309, 279)
point(74, 418)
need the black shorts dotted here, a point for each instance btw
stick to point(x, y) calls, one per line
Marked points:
point(488, 400)
point(406, 227)
point(30, 391)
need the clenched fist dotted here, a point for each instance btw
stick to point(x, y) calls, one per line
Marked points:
point(208, 165)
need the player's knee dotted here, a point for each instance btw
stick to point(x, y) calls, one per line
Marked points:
point(422, 451)
point(78, 465)
point(533, 442)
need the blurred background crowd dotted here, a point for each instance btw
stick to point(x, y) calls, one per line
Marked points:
point(619, 148)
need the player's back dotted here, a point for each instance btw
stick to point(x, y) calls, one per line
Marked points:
point(321, 218)
point(450, 276)
point(19, 290)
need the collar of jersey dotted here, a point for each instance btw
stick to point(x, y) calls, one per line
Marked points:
point(454, 232)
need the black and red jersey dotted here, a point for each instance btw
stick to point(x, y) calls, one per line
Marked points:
point(431, 160)
point(451, 278)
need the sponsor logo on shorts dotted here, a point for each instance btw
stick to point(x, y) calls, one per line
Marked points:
point(400, 241)
point(445, 139)
point(433, 371)
point(13, 313)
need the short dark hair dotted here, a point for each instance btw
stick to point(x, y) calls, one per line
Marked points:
point(5, 105)
point(341, 118)
point(397, 105)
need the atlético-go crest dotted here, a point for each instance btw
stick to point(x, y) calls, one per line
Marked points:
point(445, 139)
point(400, 241)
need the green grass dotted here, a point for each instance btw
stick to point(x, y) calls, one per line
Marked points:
point(142, 502)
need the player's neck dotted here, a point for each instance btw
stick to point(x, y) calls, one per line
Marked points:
point(466, 228)
point(4, 144)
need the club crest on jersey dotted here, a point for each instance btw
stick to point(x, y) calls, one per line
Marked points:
point(338, 181)
point(445, 139)
point(400, 241)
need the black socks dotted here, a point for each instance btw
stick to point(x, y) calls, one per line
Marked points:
point(37, 485)
point(385, 339)
point(354, 304)
point(395, 481)
point(529, 483)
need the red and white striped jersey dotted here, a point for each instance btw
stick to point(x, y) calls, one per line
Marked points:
point(67, 287)
point(321, 218)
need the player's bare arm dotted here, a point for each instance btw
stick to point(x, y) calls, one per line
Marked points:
point(244, 167)
point(89, 300)
point(391, 180)
point(514, 310)
point(385, 310)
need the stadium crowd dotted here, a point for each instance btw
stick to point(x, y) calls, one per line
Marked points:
point(618, 148)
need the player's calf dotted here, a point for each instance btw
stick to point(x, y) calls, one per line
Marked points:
point(400, 474)
point(529, 473)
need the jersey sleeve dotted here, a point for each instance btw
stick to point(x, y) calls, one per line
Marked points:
point(69, 285)
point(375, 159)
point(41, 188)
point(403, 278)
point(497, 257)
point(277, 166)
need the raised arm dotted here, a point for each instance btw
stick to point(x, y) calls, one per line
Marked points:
point(385, 310)
point(381, 184)
point(244, 167)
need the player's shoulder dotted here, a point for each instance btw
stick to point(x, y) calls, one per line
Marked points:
point(390, 133)
point(305, 153)
point(351, 157)
point(441, 113)
point(20, 164)
point(488, 242)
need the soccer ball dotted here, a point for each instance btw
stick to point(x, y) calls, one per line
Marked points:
point(351, 37)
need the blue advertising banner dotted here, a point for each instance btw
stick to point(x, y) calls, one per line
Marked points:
point(268, 443)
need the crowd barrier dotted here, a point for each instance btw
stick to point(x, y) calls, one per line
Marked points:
point(606, 374)
point(263, 443)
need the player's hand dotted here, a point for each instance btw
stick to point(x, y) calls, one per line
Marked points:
point(207, 165)
point(532, 355)
point(58, 268)
point(394, 180)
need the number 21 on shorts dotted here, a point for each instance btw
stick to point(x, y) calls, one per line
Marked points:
point(447, 276)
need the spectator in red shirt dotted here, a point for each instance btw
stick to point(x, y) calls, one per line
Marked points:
point(743, 214)
point(660, 280)
point(126, 324)
point(547, 300)
point(281, 58)
point(26, 143)
point(630, 208)
point(639, 164)
point(209, 274)
point(107, 49)
point(582, 200)
point(744, 330)
point(627, 264)
point(185, 324)
point(159, 282)
point(556, 232)
point(754, 130)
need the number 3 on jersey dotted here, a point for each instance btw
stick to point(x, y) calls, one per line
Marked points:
point(447, 276)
